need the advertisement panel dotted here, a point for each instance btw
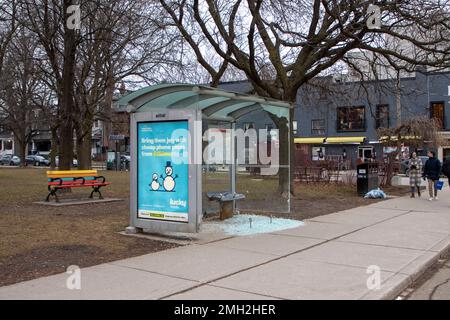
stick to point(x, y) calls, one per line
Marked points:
point(162, 170)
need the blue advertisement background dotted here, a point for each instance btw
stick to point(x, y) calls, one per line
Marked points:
point(154, 155)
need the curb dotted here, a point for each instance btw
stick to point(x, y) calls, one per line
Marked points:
point(399, 288)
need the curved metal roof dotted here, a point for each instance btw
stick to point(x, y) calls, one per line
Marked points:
point(214, 103)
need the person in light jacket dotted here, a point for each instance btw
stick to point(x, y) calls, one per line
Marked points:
point(415, 174)
point(432, 171)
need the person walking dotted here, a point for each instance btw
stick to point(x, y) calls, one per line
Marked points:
point(446, 169)
point(432, 171)
point(415, 173)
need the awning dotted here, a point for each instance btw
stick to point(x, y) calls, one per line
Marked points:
point(395, 138)
point(330, 140)
point(344, 140)
point(318, 140)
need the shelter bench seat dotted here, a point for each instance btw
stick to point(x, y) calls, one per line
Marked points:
point(57, 180)
point(226, 202)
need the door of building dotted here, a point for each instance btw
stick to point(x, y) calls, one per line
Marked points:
point(365, 153)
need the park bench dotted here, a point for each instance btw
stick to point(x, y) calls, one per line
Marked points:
point(57, 180)
point(226, 202)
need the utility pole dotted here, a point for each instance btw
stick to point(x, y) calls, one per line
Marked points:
point(398, 105)
point(398, 100)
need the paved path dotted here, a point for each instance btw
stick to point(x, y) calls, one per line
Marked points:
point(328, 258)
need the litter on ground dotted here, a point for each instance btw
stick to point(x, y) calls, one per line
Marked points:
point(375, 194)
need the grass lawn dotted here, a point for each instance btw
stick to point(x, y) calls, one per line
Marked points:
point(39, 240)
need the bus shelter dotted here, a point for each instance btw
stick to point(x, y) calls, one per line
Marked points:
point(189, 142)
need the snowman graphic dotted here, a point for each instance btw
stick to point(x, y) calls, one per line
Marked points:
point(155, 184)
point(169, 180)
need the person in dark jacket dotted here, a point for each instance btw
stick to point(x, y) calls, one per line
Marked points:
point(432, 171)
point(446, 169)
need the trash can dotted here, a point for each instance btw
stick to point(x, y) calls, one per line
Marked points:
point(367, 177)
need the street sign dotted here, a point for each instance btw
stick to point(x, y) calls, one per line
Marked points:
point(116, 137)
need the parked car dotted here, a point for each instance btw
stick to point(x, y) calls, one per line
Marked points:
point(405, 163)
point(74, 162)
point(36, 160)
point(9, 159)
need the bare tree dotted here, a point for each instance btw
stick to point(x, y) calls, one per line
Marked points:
point(119, 40)
point(301, 39)
point(47, 20)
point(8, 26)
point(19, 83)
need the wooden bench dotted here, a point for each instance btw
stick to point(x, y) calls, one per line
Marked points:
point(57, 180)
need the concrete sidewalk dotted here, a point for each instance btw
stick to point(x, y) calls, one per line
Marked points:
point(327, 258)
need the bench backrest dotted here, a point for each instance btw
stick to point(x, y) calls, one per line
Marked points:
point(68, 174)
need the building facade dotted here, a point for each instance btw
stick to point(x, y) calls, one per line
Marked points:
point(338, 116)
point(344, 117)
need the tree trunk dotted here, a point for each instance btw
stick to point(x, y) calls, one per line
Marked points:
point(285, 162)
point(67, 103)
point(108, 114)
point(84, 142)
point(55, 146)
point(21, 150)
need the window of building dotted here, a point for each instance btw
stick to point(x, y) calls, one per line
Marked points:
point(7, 144)
point(382, 114)
point(318, 127)
point(351, 119)
point(437, 112)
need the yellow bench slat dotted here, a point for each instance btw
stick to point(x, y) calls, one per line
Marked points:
point(71, 173)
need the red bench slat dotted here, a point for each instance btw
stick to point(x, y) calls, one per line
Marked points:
point(81, 185)
point(78, 183)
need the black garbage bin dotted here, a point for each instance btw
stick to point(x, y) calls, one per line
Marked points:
point(367, 177)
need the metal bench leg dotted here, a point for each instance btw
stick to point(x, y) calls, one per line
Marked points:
point(99, 193)
point(52, 193)
point(96, 190)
